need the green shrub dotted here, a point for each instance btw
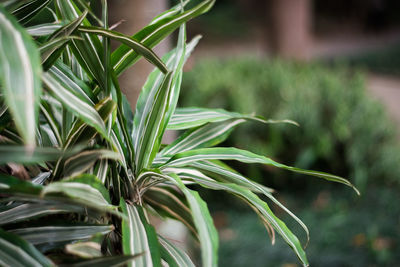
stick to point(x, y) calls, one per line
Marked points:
point(341, 128)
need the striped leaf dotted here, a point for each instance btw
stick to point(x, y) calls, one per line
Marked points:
point(172, 11)
point(185, 118)
point(149, 132)
point(154, 81)
point(57, 234)
point(79, 108)
point(43, 29)
point(16, 252)
point(29, 211)
point(149, 99)
point(260, 206)
point(139, 48)
point(64, 75)
point(229, 153)
point(123, 56)
point(208, 235)
point(87, 52)
point(81, 133)
point(139, 237)
point(207, 135)
point(18, 154)
point(91, 194)
point(51, 51)
point(20, 72)
point(223, 173)
point(106, 261)
point(85, 250)
point(175, 257)
point(84, 160)
point(28, 10)
point(57, 42)
point(169, 202)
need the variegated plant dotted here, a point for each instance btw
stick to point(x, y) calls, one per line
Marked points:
point(80, 172)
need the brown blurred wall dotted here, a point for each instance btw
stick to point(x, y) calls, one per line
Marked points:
point(290, 27)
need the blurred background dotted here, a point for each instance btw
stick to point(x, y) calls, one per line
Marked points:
point(332, 66)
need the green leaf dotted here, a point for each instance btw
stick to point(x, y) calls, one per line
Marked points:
point(27, 11)
point(16, 252)
point(58, 234)
point(85, 250)
point(172, 11)
point(80, 193)
point(20, 72)
point(128, 41)
point(223, 173)
point(81, 133)
point(174, 256)
point(51, 50)
point(87, 52)
point(19, 154)
point(106, 261)
point(139, 237)
point(151, 125)
point(28, 211)
point(123, 56)
point(57, 42)
point(79, 108)
point(84, 160)
point(43, 29)
point(185, 118)
point(12, 185)
point(149, 103)
point(208, 235)
point(260, 207)
point(65, 76)
point(207, 135)
point(168, 202)
point(229, 153)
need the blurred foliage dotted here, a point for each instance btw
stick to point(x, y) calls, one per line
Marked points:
point(385, 61)
point(343, 232)
point(342, 130)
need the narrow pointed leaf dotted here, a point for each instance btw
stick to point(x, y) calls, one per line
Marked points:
point(175, 257)
point(229, 153)
point(139, 48)
point(207, 135)
point(43, 29)
point(185, 118)
point(150, 128)
point(106, 261)
point(27, 11)
point(82, 110)
point(16, 252)
point(35, 210)
point(208, 235)
point(56, 234)
point(259, 205)
point(82, 161)
point(154, 81)
point(123, 57)
point(19, 154)
point(137, 239)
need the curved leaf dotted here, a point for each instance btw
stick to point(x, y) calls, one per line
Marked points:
point(20, 71)
point(185, 118)
point(230, 153)
point(14, 251)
